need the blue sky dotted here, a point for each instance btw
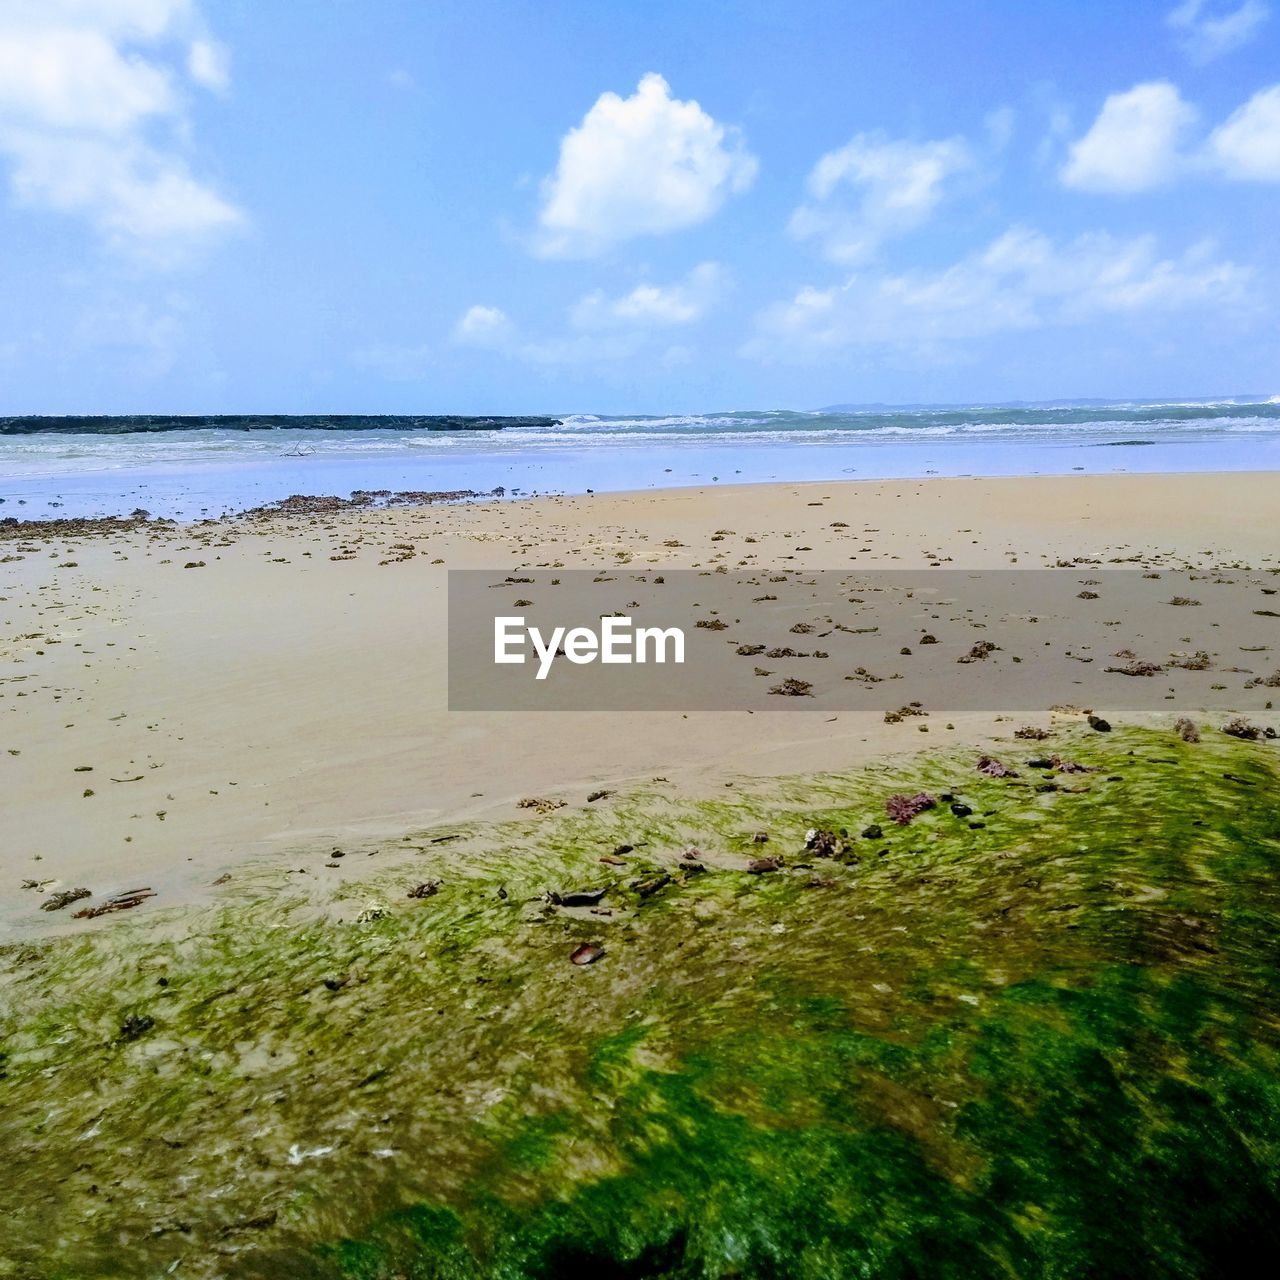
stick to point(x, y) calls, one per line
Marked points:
point(386, 206)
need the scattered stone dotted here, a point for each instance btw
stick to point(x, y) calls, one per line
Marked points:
point(994, 769)
point(902, 808)
point(1136, 668)
point(587, 953)
point(598, 795)
point(647, 888)
point(904, 713)
point(822, 842)
point(1063, 765)
point(873, 832)
point(1186, 729)
point(427, 889)
point(1099, 725)
point(979, 651)
point(135, 1025)
point(579, 897)
point(961, 810)
point(1032, 733)
point(1239, 727)
point(538, 805)
point(762, 866)
point(793, 688)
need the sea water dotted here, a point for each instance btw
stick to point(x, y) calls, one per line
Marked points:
point(187, 468)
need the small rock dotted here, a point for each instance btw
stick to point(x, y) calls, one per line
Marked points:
point(1187, 730)
point(581, 897)
point(994, 769)
point(135, 1025)
point(647, 888)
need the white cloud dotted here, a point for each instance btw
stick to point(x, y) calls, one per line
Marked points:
point(131, 191)
point(1140, 140)
point(1022, 281)
point(1134, 144)
point(77, 79)
point(1247, 145)
point(653, 306)
point(642, 165)
point(483, 326)
point(1208, 35)
point(603, 330)
point(895, 187)
point(208, 64)
point(92, 115)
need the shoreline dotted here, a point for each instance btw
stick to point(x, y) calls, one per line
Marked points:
point(328, 505)
point(194, 489)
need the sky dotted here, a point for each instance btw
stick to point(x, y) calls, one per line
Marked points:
point(492, 206)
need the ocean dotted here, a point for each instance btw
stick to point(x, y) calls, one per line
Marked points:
point(186, 468)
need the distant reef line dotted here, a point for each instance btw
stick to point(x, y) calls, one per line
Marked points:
point(128, 424)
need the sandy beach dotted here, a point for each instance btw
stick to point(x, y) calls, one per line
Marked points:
point(179, 701)
point(304, 973)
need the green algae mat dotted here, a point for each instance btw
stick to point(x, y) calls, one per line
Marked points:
point(1034, 1031)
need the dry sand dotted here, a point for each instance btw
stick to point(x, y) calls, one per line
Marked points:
point(161, 724)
